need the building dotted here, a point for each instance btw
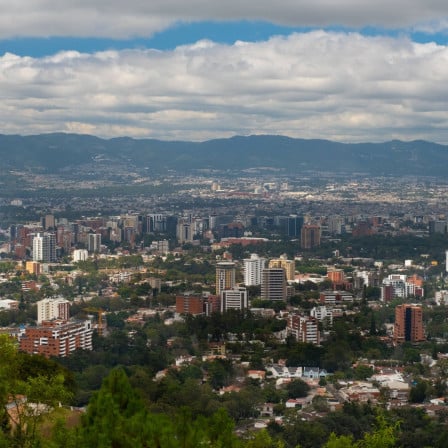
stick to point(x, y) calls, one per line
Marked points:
point(288, 265)
point(322, 314)
point(57, 338)
point(49, 309)
point(310, 236)
point(335, 297)
point(187, 304)
point(44, 247)
point(401, 286)
point(234, 299)
point(273, 284)
point(184, 231)
point(94, 242)
point(304, 328)
point(225, 276)
point(32, 267)
point(253, 267)
point(408, 325)
point(80, 255)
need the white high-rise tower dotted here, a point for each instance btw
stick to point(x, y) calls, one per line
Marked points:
point(253, 267)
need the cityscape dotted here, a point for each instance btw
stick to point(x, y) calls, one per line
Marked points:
point(223, 225)
point(302, 295)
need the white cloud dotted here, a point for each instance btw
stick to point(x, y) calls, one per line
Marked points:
point(121, 19)
point(342, 86)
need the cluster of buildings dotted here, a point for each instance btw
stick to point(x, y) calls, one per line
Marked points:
point(55, 334)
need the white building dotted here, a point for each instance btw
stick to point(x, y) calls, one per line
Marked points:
point(322, 314)
point(253, 267)
point(234, 299)
point(80, 255)
point(48, 309)
point(44, 247)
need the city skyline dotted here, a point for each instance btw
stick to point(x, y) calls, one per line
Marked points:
point(348, 72)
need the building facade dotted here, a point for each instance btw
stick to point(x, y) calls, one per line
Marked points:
point(253, 267)
point(408, 325)
point(225, 276)
point(273, 284)
point(57, 338)
point(234, 299)
point(48, 309)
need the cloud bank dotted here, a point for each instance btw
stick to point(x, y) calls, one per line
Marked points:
point(341, 86)
point(131, 18)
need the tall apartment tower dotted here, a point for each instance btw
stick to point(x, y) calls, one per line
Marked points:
point(94, 242)
point(225, 276)
point(288, 265)
point(253, 267)
point(273, 284)
point(49, 309)
point(310, 236)
point(408, 323)
point(44, 247)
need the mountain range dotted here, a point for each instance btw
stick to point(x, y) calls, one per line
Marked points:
point(58, 153)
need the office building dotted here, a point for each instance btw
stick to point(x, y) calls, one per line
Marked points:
point(48, 309)
point(253, 267)
point(310, 236)
point(234, 299)
point(225, 276)
point(273, 284)
point(408, 325)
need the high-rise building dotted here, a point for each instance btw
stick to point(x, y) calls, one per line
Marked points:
point(184, 232)
point(408, 325)
point(234, 299)
point(189, 304)
point(94, 242)
point(304, 328)
point(253, 267)
point(225, 276)
point(310, 236)
point(273, 284)
point(48, 309)
point(288, 265)
point(44, 247)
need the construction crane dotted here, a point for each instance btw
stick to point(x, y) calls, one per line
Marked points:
point(100, 313)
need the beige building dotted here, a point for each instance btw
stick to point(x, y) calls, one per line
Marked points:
point(288, 265)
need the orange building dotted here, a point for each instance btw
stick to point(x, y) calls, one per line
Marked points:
point(57, 338)
point(336, 276)
point(408, 323)
point(189, 305)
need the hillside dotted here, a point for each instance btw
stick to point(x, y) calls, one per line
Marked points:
point(58, 153)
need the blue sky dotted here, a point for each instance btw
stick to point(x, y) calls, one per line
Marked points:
point(352, 70)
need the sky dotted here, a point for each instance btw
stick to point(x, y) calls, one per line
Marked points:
point(346, 70)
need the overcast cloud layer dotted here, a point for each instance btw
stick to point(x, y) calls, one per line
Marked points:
point(340, 86)
point(130, 18)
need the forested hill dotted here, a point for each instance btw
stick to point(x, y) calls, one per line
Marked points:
point(52, 153)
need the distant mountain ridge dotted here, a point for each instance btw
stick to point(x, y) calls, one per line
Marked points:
point(59, 153)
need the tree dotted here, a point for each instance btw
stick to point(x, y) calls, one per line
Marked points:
point(297, 389)
point(27, 396)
